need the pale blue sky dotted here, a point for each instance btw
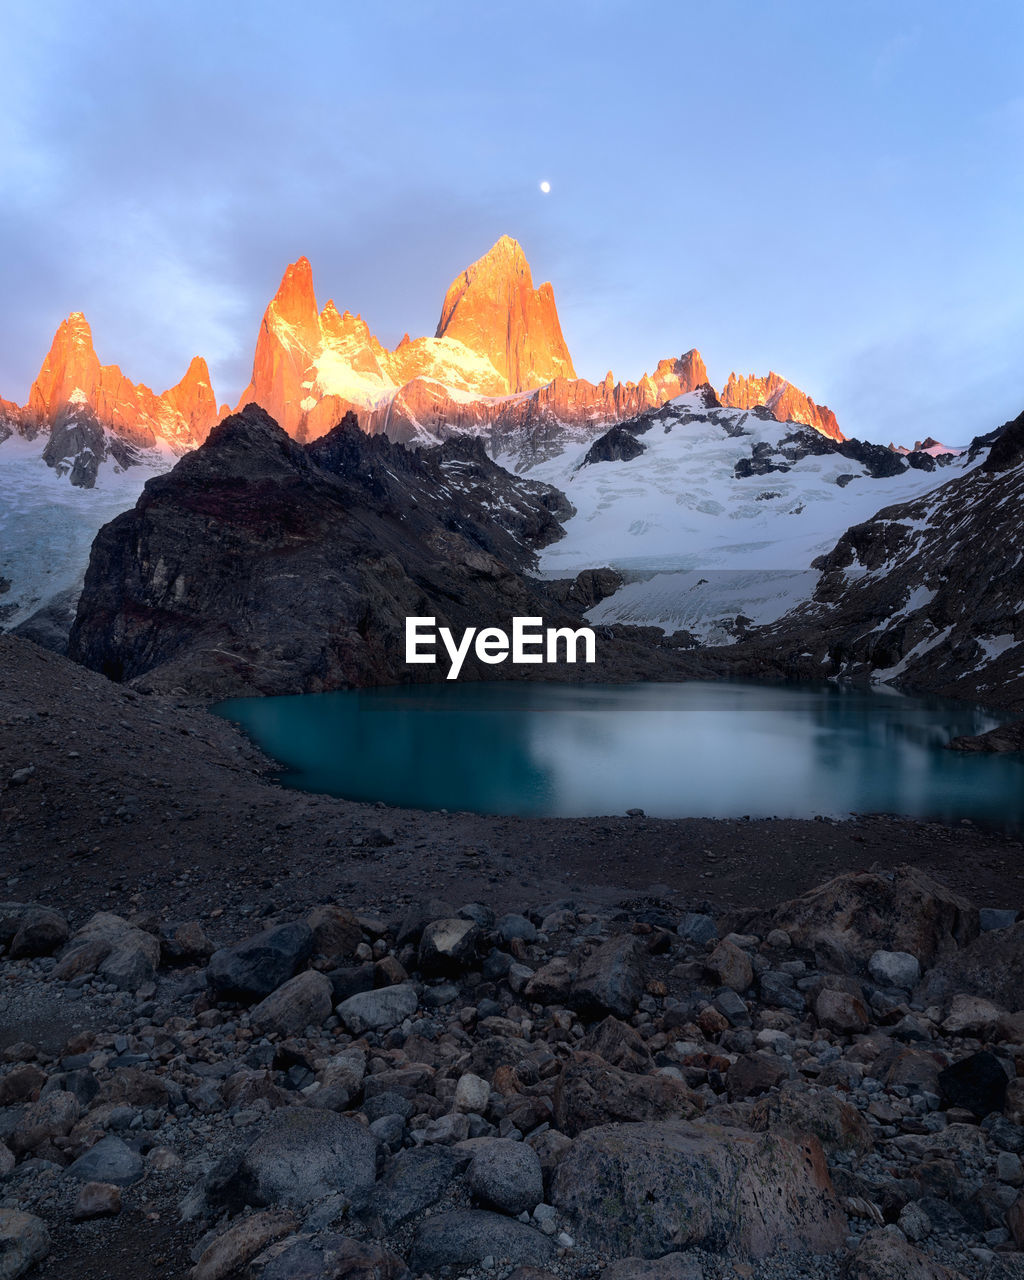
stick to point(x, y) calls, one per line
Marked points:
point(834, 191)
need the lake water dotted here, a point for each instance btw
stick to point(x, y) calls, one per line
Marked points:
point(673, 750)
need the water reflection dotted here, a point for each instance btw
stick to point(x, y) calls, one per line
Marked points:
point(711, 749)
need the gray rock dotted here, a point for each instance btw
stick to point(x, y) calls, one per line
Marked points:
point(97, 1200)
point(468, 1236)
point(506, 1175)
point(413, 1181)
point(697, 928)
point(895, 969)
point(41, 932)
point(448, 947)
point(328, 1257)
point(649, 1189)
point(672, 1266)
point(378, 1010)
point(254, 968)
point(302, 1155)
point(515, 926)
point(610, 980)
point(303, 1001)
point(996, 918)
point(110, 1160)
point(24, 1241)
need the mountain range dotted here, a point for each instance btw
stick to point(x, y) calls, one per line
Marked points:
point(497, 365)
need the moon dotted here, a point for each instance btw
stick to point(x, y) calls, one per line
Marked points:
point(545, 187)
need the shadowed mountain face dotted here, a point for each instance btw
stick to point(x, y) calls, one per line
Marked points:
point(259, 565)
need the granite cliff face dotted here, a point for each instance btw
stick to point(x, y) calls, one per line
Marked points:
point(498, 366)
point(493, 309)
point(785, 402)
point(181, 416)
point(259, 565)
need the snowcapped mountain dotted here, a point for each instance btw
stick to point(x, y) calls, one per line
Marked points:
point(750, 483)
point(715, 514)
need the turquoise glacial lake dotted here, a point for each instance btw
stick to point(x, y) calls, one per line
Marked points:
point(673, 750)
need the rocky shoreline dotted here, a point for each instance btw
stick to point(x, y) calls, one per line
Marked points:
point(826, 1087)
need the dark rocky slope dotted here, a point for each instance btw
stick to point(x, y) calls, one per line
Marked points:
point(927, 595)
point(259, 565)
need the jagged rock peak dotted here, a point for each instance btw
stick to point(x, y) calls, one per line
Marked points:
point(784, 401)
point(493, 309)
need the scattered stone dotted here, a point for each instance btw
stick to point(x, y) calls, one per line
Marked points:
point(110, 1160)
point(303, 1001)
point(895, 969)
point(378, 1010)
point(472, 1094)
point(97, 1200)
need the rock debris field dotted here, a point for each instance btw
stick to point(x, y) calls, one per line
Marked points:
point(827, 1087)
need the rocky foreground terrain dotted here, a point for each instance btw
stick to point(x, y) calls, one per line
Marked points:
point(827, 1087)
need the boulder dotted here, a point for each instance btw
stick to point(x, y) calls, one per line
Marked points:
point(326, 1257)
point(885, 1255)
point(977, 1082)
point(895, 969)
point(118, 951)
point(848, 919)
point(837, 1124)
point(591, 1092)
point(110, 1160)
point(378, 1010)
point(729, 966)
point(303, 1001)
point(672, 1266)
point(336, 933)
point(448, 947)
point(24, 1241)
point(610, 980)
point(413, 1180)
point(97, 1200)
point(990, 966)
point(618, 1043)
point(755, 1073)
point(506, 1175)
point(302, 1154)
point(841, 1012)
point(241, 1242)
point(254, 968)
point(40, 932)
point(649, 1189)
point(468, 1236)
point(186, 943)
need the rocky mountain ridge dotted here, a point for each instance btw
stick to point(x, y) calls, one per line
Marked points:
point(497, 366)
